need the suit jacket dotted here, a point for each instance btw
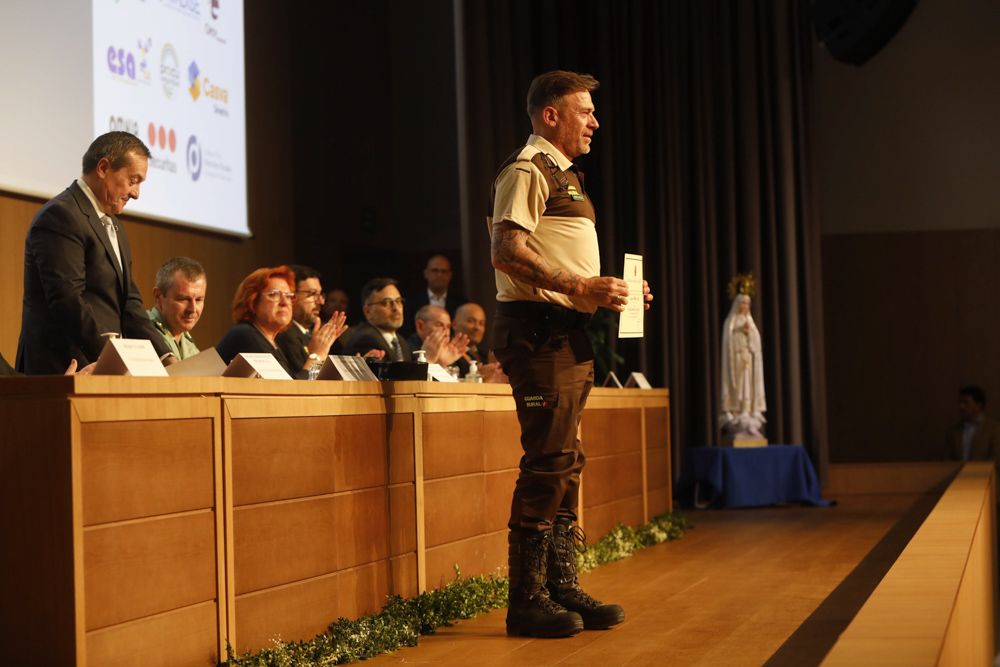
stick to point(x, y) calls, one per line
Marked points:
point(244, 337)
point(74, 289)
point(985, 441)
point(364, 337)
point(293, 344)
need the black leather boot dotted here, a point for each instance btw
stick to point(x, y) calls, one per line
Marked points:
point(564, 585)
point(531, 611)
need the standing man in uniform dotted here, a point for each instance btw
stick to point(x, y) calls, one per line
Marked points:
point(544, 249)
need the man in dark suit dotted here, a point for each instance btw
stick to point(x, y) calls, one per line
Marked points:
point(305, 339)
point(78, 280)
point(383, 309)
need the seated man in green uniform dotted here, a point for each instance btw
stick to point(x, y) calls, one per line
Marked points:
point(179, 298)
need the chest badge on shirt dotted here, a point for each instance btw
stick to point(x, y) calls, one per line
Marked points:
point(574, 193)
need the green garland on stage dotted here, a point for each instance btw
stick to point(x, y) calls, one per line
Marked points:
point(401, 621)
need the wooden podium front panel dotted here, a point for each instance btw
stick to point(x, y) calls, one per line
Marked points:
point(470, 452)
point(152, 538)
point(612, 479)
point(659, 476)
point(314, 480)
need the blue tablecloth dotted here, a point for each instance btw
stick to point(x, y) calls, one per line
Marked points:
point(748, 477)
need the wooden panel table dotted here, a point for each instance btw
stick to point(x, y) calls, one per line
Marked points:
point(109, 511)
point(154, 520)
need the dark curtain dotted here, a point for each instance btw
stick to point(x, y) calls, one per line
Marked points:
point(701, 165)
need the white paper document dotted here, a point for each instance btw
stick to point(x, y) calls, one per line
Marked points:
point(630, 320)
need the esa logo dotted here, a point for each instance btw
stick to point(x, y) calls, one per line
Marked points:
point(122, 124)
point(194, 157)
point(121, 63)
point(124, 65)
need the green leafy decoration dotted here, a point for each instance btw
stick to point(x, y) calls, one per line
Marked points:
point(401, 622)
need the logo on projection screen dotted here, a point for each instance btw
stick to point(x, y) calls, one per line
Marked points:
point(194, 157)
point(162, 137)
point(170, 72)
point(194, 84)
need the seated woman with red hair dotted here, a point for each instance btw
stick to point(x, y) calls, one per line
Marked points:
point(262, 308)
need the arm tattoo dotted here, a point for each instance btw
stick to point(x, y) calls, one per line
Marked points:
point(511, 254)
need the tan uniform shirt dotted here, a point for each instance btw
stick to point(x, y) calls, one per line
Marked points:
point(540, 190)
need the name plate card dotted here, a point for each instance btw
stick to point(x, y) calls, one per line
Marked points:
point(206, 363)
point(638, 380)
point(439, 373)
point(256, 365)
point(347, 368)
point(129, 356)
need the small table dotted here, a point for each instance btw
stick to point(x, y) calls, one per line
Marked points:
point(748, 477)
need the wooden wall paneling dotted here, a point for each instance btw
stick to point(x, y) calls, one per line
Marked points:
point(302, 609)
point(42, 601)
point(644, 479)
point(134, 569)
point(888, 478)
point(172, 639)
point(453, 443)
point(228, 519)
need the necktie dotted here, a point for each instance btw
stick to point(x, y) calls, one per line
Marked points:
point(397, 353)
point(109, 227)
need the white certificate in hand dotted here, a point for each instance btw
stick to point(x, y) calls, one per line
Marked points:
point(630, 322)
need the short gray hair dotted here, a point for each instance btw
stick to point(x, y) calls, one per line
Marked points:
point(115, 146)
point(191, 269)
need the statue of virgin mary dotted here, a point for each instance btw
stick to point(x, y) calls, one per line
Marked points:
point(743, 400)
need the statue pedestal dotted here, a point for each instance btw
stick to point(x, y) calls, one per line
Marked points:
point(749, 442)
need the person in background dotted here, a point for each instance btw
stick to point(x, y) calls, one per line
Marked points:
point(437, 290)
point(470, 319)
point(336, 301)
point(383, 310)
point(179, 299)
point(307, 339)
point(976, 437)
point(262, 309)
point(433, 335)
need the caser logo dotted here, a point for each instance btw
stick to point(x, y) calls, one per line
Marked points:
point(162, 137)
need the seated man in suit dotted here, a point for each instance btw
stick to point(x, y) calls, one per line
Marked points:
point(433, 335)
point(383, 310)
point(976, 437)
point(178, 300)
point(78, 283)
point(307, 339)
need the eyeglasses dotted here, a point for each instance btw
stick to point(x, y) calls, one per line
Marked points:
point(312, 294)
point(388, 303)
point(276, 294)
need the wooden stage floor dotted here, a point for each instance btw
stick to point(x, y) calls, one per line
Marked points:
point(743, 587)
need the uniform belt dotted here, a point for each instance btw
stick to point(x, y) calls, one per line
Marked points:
point(549, 314)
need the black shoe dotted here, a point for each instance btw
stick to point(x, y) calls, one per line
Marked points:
point(531, 611)
point(564, 587)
